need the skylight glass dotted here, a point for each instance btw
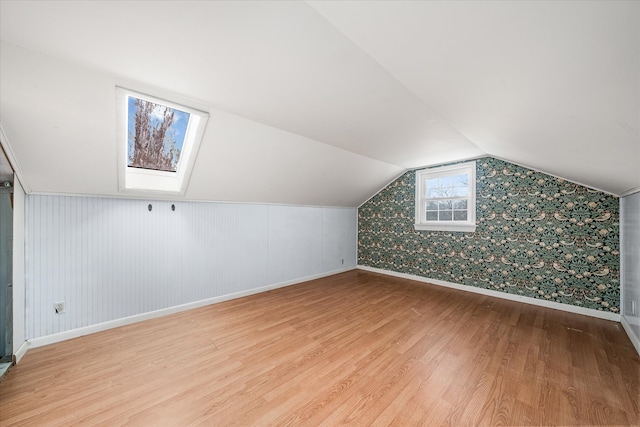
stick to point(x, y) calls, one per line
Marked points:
point(155, 135)
point(157, 142)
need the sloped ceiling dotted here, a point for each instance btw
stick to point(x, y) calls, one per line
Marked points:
point(323, 103)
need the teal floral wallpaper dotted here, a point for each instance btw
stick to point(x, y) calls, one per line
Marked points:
point(536, 236)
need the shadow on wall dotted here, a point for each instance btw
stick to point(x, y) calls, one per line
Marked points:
point(537, 236)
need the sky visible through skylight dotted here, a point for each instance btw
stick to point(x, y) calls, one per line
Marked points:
point(156, 135)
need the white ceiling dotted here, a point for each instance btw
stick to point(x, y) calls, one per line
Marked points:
point(323, 103)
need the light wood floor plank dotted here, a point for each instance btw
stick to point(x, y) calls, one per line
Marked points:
point(356, 348)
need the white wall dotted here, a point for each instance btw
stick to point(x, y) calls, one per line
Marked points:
point(110, 259)
point(630, 250)
point(18, 269)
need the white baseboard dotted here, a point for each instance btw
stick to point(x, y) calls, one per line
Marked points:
point(19, 354)
point(74, 333)
point(627, 328)
point(520, 298)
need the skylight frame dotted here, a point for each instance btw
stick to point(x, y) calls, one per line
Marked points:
point(143, 181)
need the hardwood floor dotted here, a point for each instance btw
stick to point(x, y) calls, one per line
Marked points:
point(356, 348)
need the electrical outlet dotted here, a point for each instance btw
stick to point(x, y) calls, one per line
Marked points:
point(633, 308)
point(58, 307)
point(343, 261)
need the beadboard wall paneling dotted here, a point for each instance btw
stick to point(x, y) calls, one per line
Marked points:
point(339, 229)
point(111, 258)
point(537, 236)
point(294, 234)
point(630, 238)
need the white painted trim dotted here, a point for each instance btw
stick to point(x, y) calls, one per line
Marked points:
point(19, 354)
point(141, 181)
point(141, 87)
point(160, 197)
point(421, 222)
point(630, 192)
point(4, 142)
point(446, 226)
point(75, 333)
point(452, 162)
point(627, 328)
point(519, 298)
point(621, 220)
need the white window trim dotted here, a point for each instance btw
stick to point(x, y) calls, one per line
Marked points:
point(465, 226)
point(143, 181)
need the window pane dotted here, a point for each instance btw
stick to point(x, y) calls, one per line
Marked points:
point(444, 205)
point(460, 191)
point(156, 135)
point(448, 197)
point(432, 183)
point(461, 180)
point(444, 216)
point(446, 181)
point(460, 215)
point(434, 193)
point(459, 204)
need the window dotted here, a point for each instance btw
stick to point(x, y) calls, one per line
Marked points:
point(157, 142)
point(446, 198)
point(155, 135)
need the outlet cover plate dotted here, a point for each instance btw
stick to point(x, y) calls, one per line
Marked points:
point(58, 307)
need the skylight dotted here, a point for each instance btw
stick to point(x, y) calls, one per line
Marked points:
point(157, 141)
point(155, 135)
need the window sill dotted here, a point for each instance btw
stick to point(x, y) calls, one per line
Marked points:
point(467, 228)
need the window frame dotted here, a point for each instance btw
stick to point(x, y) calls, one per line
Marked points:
point(143, 181)
point(421, 223)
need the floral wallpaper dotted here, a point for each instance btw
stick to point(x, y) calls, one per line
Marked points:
point(538, 236)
